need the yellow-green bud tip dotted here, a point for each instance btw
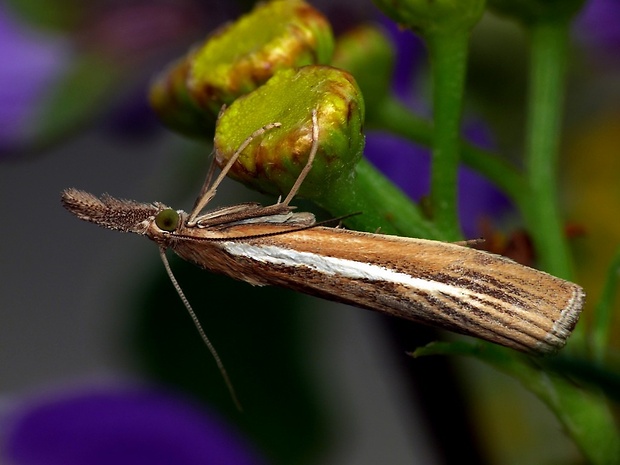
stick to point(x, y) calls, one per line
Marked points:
point(532, 11)
point(274, 160)
point(174, 106)
point(240, 57)
point(428, 17)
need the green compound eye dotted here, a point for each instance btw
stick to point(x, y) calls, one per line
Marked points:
point(167, 220)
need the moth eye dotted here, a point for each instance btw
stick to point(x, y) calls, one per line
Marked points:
point(167, 220)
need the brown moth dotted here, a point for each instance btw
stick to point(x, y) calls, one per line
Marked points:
point(441, 284)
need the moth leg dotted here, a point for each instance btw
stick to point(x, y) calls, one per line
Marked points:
point(208, 193)
point(308, 167)
point(201, 331)
point(211, 172)
point(205, 187)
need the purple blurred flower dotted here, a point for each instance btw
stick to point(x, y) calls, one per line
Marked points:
point(133, 39)
point(598, 26)
point(119, 426)
point(408, 166)
point(411, 59)
point(31, 62)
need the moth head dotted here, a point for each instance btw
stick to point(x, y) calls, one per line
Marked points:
point(165, 225)
point(168, 220)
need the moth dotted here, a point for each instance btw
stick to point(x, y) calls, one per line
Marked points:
point(441, 284)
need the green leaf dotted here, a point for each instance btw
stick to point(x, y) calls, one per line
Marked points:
point(584, 413)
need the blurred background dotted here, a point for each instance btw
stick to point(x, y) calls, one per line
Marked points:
point(88, 314)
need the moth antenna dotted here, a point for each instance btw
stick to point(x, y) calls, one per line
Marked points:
point(203, 335)
point(269, 234)
point(308, 167)
point(210, 192)
point(470, 242)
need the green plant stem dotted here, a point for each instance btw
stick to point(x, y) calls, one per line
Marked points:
point(448, 54)
point(545, 105)
point(382, 206)
point(584, 414)
point(602, 323)
point(394, 117)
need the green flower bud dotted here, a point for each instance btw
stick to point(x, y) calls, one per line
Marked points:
point(529, 11)
point(427, 17)
point(367, 54)
point(242, 56)
point(273, 161)
point(171, 101)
